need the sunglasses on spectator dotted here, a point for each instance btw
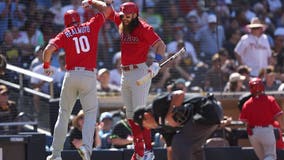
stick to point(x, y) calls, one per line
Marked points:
point(257, 28)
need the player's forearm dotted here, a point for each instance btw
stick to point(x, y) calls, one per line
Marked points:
point(47, 53)
point(104, 7)
point(160, 48)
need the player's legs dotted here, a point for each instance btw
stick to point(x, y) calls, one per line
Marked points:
point(126, 95)
point(139, 99)
point(257, 147)
point(187, 144)
point(265, 146)
point(136, 96)
point(67, 101)
point(89, 101)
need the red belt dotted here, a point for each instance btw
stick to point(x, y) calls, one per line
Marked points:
point(129, 67)
point(82, 69)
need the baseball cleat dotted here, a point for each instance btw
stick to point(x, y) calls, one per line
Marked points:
point(149, 155)
point(50, 157)
point(85, 155)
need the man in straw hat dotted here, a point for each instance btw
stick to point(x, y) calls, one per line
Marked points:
point(253, 49)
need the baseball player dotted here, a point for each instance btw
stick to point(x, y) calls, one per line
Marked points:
point(80, 44)
point(259, 113)
point(137, 37)
point(184, 121)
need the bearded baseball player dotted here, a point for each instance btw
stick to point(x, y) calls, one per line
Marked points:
point(259, 113)
point(137, 37)
point(80, 44)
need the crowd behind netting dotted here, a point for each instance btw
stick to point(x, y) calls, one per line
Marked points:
point(227, 42)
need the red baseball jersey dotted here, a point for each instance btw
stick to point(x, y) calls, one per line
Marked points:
point(80, 43)
point(260, 111)
point(135, 46)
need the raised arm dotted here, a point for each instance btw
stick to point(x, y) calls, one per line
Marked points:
point(103, 7)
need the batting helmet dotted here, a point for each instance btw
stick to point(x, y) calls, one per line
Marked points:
point(128, 8)
point(256, 86)
point(70, 17)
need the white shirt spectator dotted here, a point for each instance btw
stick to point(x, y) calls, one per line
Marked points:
point(190, 51)
point(39, 69)
point(254, 52)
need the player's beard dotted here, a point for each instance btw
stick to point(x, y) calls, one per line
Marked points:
point(130, 27)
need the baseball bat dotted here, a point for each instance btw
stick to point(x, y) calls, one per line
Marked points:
point(149, 76)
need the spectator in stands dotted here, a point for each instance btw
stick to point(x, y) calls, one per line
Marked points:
point(38, 57)
point(106, 124)
point(9, 50)
point(75, 134)
point(108, 44)
point(121, 135)
point(56, 8)
point(210, 38)
point(215, 79)
point(191, 30)
point(11, 15)
point(41, 86)
point(61, 73)
point(29, 38)
point(189, 57)
point(228, 65)
point(235, 83)
point(278, 49)
point(104, 84)
point(244, 70)
point(8, 111)
point(200, 13)
point(268, 76)
point(234, 36)
point(253, 49)
point(115, 72)
point(170, 72)
point(151, 16)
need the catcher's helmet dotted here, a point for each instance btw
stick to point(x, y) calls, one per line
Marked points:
point(128, 8)
point(70, 17)
point(256, 86)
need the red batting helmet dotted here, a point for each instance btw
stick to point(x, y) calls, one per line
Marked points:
point(128, 8)
point(70, 17)
point(256, 86)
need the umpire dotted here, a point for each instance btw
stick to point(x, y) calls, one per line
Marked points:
point(184, 121)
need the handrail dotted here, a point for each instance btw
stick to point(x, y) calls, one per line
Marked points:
point(29, 73)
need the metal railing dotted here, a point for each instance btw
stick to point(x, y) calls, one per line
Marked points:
point(20, 86)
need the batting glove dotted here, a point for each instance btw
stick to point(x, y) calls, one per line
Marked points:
point(47, 70)
point(154, 68)
point(86, 3)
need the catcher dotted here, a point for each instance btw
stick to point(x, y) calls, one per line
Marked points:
point(184, 121)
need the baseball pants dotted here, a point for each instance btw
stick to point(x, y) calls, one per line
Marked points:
point(134, 96)
point(80, 84)
point(264, 143)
